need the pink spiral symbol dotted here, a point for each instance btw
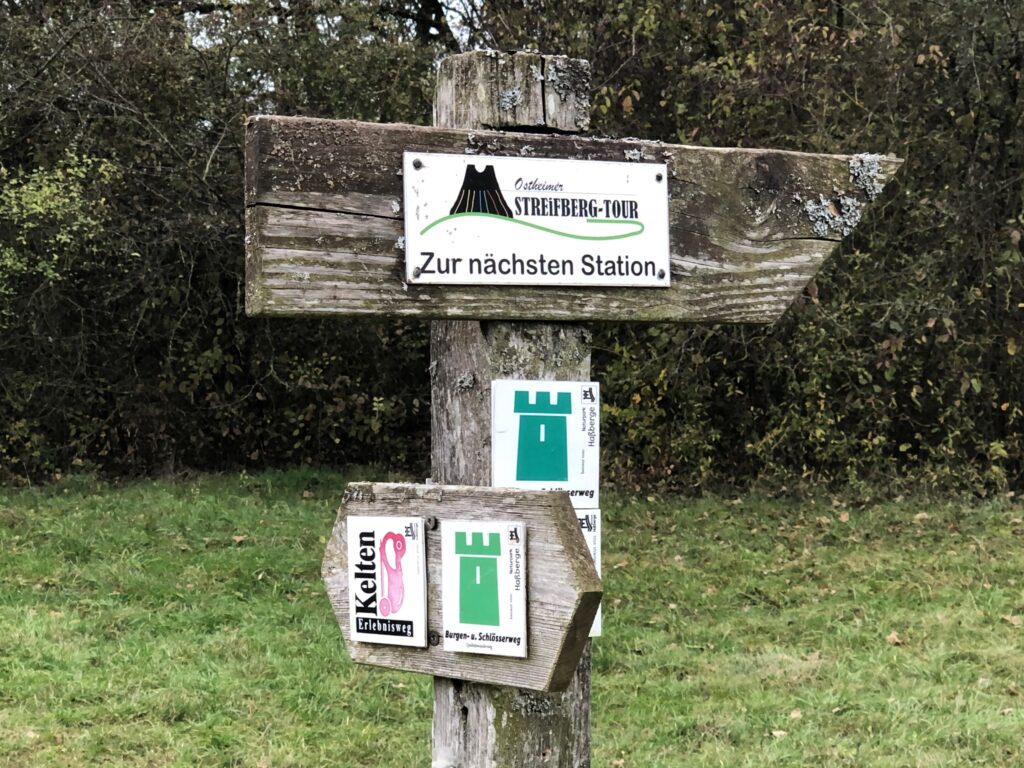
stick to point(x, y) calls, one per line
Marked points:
point(393, 573)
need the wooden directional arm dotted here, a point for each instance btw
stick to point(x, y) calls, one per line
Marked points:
point(748, 228)
point(564, 589)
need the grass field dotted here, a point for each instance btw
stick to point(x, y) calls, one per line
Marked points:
point(184, 624)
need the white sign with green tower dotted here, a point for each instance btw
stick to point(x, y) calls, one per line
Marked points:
point(483, 587)
point(545, 436)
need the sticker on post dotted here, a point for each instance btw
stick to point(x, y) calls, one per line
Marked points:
point(479, 220)
point(387, 578)
point(545, 436)
point(590, 525)
point(483, 587)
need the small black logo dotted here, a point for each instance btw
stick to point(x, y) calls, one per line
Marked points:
point(480, 194)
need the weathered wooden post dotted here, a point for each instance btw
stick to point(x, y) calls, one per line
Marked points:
point(736, 236)
point(475, 724)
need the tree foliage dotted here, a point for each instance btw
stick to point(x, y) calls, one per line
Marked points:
point(124, 341)
point(902, 360)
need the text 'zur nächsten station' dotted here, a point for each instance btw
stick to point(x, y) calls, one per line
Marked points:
point(514, 265)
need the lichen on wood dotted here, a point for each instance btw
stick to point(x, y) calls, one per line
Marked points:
point(510, 99)
point(568, 80)
point(830, 216)
point(867, 175)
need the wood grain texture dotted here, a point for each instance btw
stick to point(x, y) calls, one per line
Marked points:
point(563, 588)
point(748, 228)
point(506, 91)
point(484, 726)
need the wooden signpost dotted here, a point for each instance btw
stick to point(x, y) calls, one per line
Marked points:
point(747, 230)
point(563, 588)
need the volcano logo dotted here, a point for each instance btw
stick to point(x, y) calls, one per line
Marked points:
point(480, 194)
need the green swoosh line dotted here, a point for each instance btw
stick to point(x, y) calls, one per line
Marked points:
point(549, 230)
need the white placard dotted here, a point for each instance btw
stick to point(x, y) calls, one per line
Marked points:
point(545, 436)
point(387, 578)
point(590, 524)
point(483, 587)
point(474, 219)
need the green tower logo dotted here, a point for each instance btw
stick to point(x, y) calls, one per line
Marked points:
point(478, 577)
point(543, 452)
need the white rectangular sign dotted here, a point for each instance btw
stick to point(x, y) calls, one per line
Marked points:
point(479, 220)
point(483, 587)
point(387, 577)
point(590, 525)
point(545, 436)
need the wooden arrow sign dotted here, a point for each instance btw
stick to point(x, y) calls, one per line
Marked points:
point(563, 588)
point(747, 228)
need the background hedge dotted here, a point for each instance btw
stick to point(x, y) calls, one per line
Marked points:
point(124, 346)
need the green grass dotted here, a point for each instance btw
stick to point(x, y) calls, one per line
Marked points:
point(184, 623)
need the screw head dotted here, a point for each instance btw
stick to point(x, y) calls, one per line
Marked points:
point(430, 523)
point(416, 272)
point(433, 638)
point(417, 163)
point(661, 274)
point(659, 177)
